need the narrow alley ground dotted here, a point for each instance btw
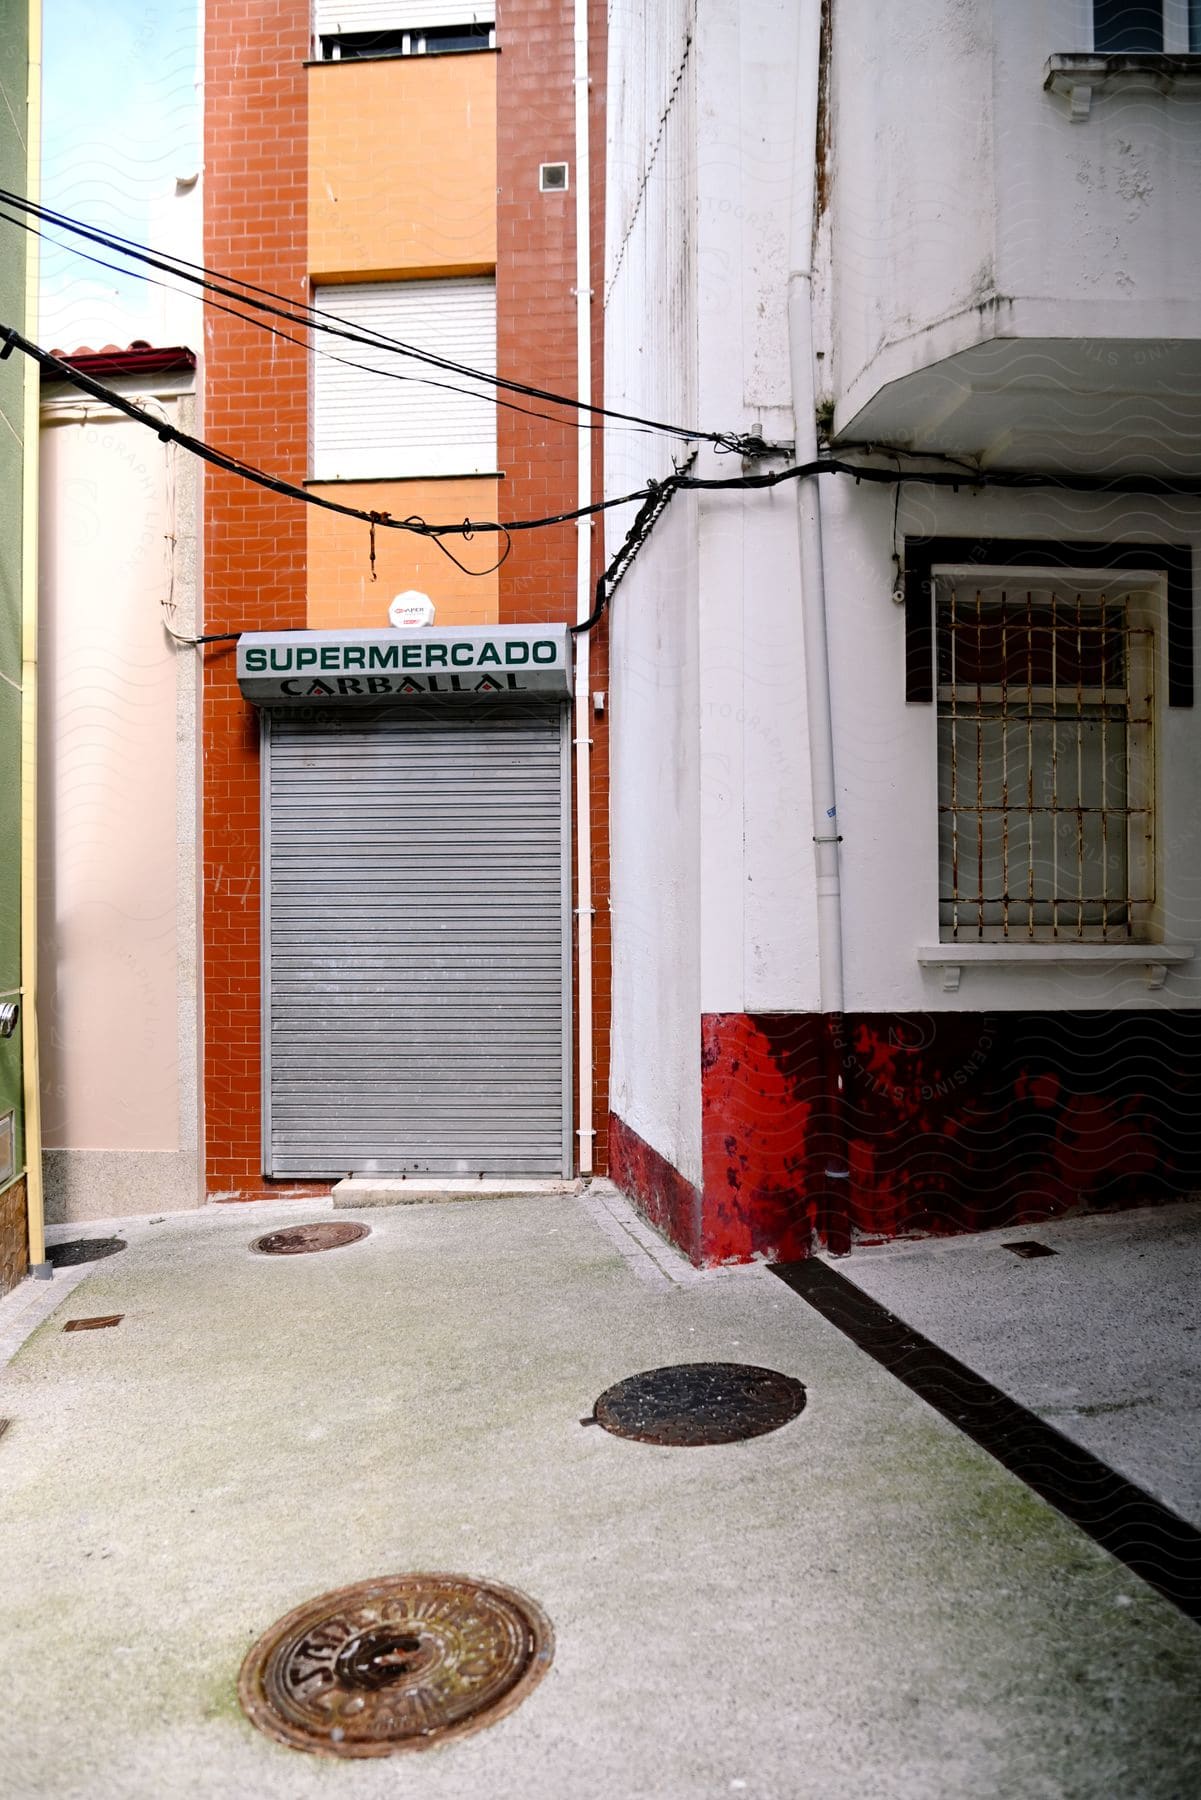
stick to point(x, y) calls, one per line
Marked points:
point(860, 1604)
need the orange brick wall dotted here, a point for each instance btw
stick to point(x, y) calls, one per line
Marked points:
point(340, 586)
point(536, 343)
point(402, 167)
point(255, 398)
point(255, 405)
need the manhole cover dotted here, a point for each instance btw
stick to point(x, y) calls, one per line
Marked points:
point(298, 1240)
point(700, 1403)
point(82, 1250)
point(401, 1663)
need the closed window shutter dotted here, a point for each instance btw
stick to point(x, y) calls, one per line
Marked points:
point(368, 424)
point(336, 17)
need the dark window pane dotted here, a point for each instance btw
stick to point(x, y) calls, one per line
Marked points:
point(1124, 26)
point(355, 45)
point(1032, 646)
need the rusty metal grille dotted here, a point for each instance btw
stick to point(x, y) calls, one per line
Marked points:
point(1045, 708)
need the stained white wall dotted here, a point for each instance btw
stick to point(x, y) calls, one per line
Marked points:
point(117, 914)
point(886, 758)
point(951, 171)
point(758, 913)
point(651, 369)
point(1000, 218)
point(712, 835)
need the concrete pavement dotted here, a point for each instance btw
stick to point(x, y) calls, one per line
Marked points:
point(861, 1604)
point(1102, 1339)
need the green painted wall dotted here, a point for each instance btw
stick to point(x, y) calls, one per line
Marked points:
point(14, 372)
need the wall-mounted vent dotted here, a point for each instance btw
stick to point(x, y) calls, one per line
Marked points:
point(7, 1147)
point(552, 178)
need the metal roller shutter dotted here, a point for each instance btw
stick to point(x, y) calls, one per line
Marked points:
point(443, 425)
point(417, 937)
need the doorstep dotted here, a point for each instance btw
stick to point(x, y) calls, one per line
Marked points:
point(395, 1190)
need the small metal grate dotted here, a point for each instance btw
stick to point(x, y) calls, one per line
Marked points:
point(402, 1663)
point(302, 1240)
point(700, 1403)
point(83, 1250)
point(1045, 705)
point(1030, 1247)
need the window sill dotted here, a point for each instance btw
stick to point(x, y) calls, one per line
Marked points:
point(315, 481)
point(413, 56)
point(952, 959)
point(1080, 74)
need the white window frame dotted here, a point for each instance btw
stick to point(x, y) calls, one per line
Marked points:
point(967, 923)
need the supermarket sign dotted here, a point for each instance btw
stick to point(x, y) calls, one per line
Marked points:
point(298, 668)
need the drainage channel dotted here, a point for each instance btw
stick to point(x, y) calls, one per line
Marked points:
point(401, 1663)
point(1146, 1536)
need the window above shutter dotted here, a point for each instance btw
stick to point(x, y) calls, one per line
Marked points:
point(366, 423)
point(334, 18)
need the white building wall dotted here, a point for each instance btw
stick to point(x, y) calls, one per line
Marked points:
point(758, 913)
point(913, 210)
point(654, 1082)
point(712, 834)
point(1001, 218)
point(117, 798)
point(886, 759)
point(1096, 220)
point(650, 369)
point(924, 220)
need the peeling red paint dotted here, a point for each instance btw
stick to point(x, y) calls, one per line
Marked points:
point(668, 1199)
point(827, 1131)
point(764, 1129)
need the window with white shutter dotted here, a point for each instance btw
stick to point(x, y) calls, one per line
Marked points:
point(379, 413)
point(346, 29)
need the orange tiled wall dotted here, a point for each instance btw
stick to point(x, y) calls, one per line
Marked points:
point(257, 187)
point(402, 167)
point(254, 541)
point(341, 591)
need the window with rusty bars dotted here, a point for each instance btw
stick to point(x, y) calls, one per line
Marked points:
point(1045, 759)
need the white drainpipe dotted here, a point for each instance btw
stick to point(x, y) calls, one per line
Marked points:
point(583, 746)
point(809, 520)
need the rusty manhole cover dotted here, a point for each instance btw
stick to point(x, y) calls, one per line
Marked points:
point(401, 1663)
point(298, 1240)
point(82, 1250)
point(700, 1403)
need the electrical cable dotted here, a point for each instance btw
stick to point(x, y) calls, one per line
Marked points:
point(286, 337)
point(278, 306)
point(659, 495)
point(232, 465)
point(653, 497)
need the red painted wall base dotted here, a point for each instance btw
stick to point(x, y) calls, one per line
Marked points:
point(823, 1132)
